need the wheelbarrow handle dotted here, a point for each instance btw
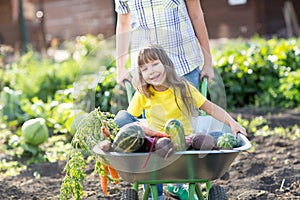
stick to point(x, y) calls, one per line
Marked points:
point(203, 90)
point(129, 89)
point(203, 86)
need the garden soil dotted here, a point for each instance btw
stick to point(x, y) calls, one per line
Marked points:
point(270, 170)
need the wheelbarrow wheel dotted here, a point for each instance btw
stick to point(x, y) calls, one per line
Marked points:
point(129, 194)
point(216, 192)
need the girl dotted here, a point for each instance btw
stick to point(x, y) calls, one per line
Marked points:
point(164, 95)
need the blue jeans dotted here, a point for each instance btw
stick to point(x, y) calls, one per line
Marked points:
point(193, 77)
point(123, 117)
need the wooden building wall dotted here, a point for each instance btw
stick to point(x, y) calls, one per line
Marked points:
point(274, 19)
point(63, 19)
point(263, 17)
point(223, 20)
point(9, 23)
point(67, 19)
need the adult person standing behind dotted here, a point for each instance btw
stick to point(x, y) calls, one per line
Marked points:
point(177, 25)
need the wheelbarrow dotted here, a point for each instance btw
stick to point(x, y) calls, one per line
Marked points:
point(190, 167)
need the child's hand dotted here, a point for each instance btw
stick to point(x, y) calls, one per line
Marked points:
point(236, 128)
point(152, 133)
point(105, 145)
point(158, 134)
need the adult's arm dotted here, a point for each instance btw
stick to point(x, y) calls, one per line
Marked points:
point(197, 19)
point(123, 29)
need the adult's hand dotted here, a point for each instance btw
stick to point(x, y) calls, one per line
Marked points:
point(207, 71)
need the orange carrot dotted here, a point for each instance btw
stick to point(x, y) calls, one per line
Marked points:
point(104, 185)
point(104, 180)
point(114, 174)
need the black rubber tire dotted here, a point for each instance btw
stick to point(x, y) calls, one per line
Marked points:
point(216, 192)
point(129, 194)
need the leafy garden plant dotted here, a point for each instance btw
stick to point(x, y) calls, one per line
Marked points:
point(87, 136)
point(260, 72)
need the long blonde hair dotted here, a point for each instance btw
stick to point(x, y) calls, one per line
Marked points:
point(156, 52)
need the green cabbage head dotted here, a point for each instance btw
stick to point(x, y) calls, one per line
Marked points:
point(35, 132)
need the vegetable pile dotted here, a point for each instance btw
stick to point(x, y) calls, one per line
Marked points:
point(131, 138)
point(212, 141)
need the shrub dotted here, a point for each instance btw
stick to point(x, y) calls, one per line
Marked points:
point(252, 71)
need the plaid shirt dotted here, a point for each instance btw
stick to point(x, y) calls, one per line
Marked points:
point(163, 22)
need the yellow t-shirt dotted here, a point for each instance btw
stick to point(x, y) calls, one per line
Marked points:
point(161, 107)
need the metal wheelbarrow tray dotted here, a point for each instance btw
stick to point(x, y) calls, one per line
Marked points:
point(183, 166)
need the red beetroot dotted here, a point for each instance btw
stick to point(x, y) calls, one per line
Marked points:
point(203, 142)
point(164, 147)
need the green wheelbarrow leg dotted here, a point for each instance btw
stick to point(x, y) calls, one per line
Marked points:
point(195, 187)
point(199, 192)
point(146, 192)
point(136, 187)
point(191, 191)
point(208, 186)
point(154, 191)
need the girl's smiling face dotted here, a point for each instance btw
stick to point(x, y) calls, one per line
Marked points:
point(154, 73)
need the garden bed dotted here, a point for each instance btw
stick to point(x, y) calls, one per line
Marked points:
point(271, 170)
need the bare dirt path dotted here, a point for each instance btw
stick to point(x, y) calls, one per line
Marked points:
point(271, 170)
